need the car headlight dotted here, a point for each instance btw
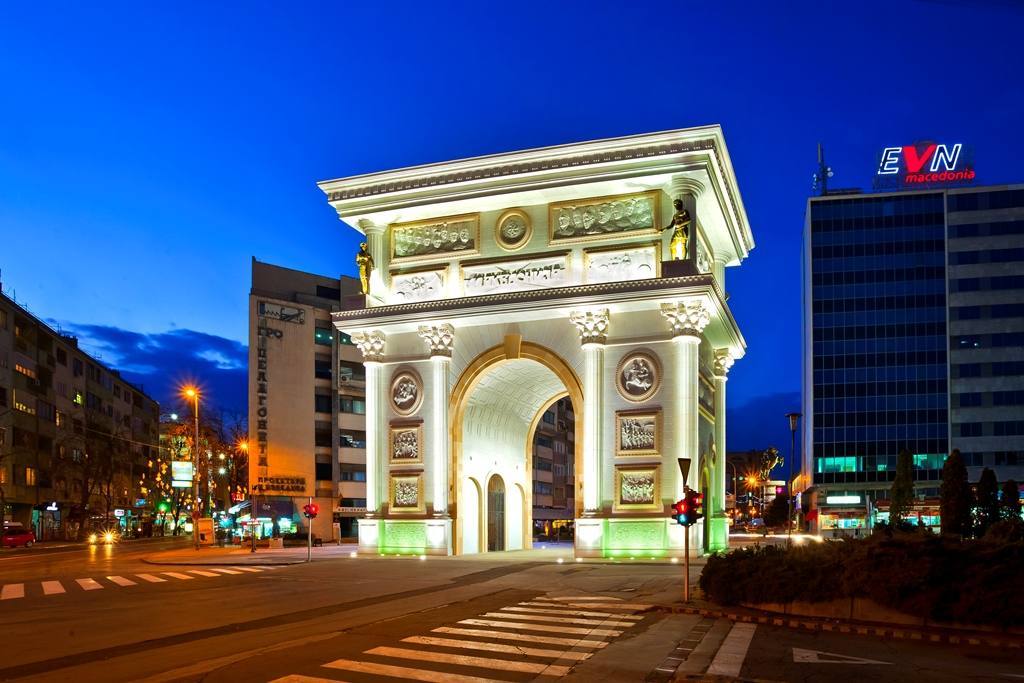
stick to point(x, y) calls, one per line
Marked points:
point(109, 537)
point(92, 538)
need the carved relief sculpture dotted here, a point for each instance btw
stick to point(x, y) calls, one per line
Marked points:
point(412, 287)
point(406, 493)
point(365, 263)
point(638, 433)
point(686, 317)
point(636, 488)
point(406, 444)
point(593, 218)
point(435, 237)
point(621, 265)
point(638, 376)
point(591, 325)
point(406, 392)
point(440, 338)
point(513, 229)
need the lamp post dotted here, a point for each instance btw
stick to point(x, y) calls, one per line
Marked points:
point(794, 423)
point(193, 393)
point(243, 446)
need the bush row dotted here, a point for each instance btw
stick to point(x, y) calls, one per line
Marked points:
point(924, 575)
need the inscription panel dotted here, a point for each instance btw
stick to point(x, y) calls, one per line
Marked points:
point(515, 276)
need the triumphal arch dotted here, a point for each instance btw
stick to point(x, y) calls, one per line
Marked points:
point(500, 284)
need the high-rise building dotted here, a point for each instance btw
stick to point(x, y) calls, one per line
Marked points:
point(913, 338)
point(76, 439)
point(307, 431)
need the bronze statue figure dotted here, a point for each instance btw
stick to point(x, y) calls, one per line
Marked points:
point(680, 225)
point(365, 262)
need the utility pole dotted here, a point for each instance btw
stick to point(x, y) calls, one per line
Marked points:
point(193, 393)
point(794, 421)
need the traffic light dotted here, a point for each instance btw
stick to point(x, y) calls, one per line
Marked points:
point(682, 510)
point(696, 505)
point(310, 510)
point(163, 506)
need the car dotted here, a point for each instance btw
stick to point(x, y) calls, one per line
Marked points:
point(103, 537)
point(14, 536)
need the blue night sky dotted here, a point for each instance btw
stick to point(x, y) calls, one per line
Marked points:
point(148, 150)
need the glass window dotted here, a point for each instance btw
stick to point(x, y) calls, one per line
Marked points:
point(322, 403)
point(322, 336)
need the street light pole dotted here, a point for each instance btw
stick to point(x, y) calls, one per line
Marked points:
point(193, 393)
point(794, 421)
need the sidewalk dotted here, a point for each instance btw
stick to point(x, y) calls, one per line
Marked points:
point(243, 556)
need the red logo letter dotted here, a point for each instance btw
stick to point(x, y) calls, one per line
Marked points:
point(915, 162)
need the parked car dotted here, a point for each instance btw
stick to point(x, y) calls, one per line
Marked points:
point(14, 536)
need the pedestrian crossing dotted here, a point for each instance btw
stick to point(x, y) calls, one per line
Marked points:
point(51, 587)
point(545, 637)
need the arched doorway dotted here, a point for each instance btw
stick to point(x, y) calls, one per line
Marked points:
point(495, 514)
point(495, 406)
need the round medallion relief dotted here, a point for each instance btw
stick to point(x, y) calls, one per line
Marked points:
point(638, 376)
point(513, 229)
point(406, 392)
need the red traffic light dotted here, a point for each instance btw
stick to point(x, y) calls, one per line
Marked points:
point(310, 510)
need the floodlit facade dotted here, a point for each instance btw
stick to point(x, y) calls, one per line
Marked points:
point(502, 284)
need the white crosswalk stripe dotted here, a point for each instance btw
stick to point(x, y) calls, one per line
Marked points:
point(248, 569)
point(497, 647)
point(201, 572)
point(12, 591)
point(150, 578)
point(220, 570)
point(89, 584)
point(121, 581)
point(568, 612)
point(557, 620)
point(52, 588)
point(178, 575)
point(503, 635)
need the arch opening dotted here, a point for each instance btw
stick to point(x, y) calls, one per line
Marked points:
point(497, 404)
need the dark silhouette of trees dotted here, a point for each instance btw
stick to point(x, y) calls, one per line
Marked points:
point(986, 512)
point(955, 500)
point(901, 497)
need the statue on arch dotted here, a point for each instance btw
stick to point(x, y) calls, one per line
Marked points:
point(365, 262)
point(680, 225)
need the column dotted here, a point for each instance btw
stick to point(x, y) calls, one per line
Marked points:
point(371, 344)
point(593, 330)
point(381, 258)
point(719, 528)
point(440, 340)
point(687, 320)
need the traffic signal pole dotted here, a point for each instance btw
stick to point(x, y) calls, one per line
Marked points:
point(686, 564)
point(309, 535)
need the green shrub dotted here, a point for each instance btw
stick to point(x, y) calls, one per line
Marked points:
point(922, 574)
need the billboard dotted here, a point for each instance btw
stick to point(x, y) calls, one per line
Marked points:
point(181, 470)
point(924, 165)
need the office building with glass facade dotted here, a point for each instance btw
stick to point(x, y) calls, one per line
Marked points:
point(913, 326)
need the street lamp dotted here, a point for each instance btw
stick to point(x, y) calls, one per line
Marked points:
point(193, 394)
point(243, 446)
point(794, 423)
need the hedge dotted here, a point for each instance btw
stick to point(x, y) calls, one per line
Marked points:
point(928, 576)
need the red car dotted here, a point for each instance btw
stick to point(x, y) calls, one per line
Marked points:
point(15, 536)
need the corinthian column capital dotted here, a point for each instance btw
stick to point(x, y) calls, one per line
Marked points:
point(440, 339)
point(370, 344)
point(723, 362)
point(591, 325)
point(688, 317)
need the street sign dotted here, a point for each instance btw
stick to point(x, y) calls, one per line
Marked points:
point(684, 467)
point(181, 470)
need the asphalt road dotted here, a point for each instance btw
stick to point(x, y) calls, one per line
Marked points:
point(104, 614)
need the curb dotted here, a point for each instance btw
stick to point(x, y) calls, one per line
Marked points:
point(853, 628)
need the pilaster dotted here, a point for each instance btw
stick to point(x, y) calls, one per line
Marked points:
point(440, 340)
point(719, 521)
point(593, 330)
point(371, 344)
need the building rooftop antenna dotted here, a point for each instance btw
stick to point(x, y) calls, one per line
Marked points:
point(821, 176)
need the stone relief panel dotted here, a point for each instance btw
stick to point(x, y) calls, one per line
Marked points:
point(407, 288)
point(703, 258)
point(621, 265)
point(636, 488)
point(638, 432)
point(406, 392)
point(513, 229)
point(638, 376)
point(406, 444)
point(407, 493)
point(515, 276)
point(451, 235)
point(590, 219)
